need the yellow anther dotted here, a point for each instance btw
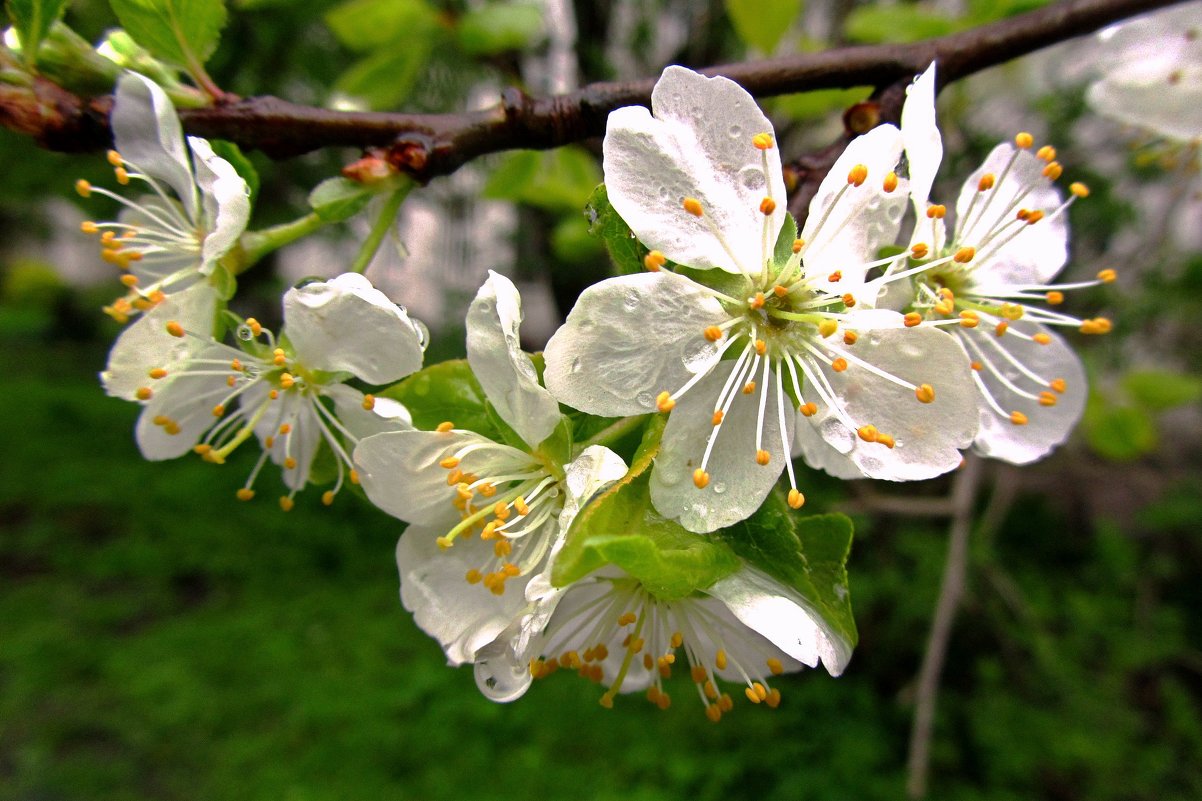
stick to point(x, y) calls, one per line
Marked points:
point(936, 211)
point(835, 277)
point(751, 695)
point(1047, 398)
point(918, 251)
point(749, 388)
point(1034, 217)
point(712, 333)
point(677, 639)
point(780, 291)
point(502, 548)
point(449, 462)
point(1097, 325)
point(839, 365)
point(636, 645)
point(827, 327)
point(274, 394)
point(664, 402)
point(692, 205)
point(719, 416)
point(808, 409)
point(1042, 338)
point(269, 442)
point(697, 674)
point(1054, 298)
point(254, 325)
point(327, 498)
point(1058, 385)
point(710, 689)
point(626, 618)
point(1018, 418)
point(287, 381)
point(144, 393)
point(89, 227)
point(113, 158)
point(201, 449)
point(762, 141)
point(285, 428)
point(487, 490)
point(278, 357)
point(1053, 170)
point(912, 319)
point(890, 182)
point(663, 701)
point(773, 699)
point(976, 366)
point(713, 712)
point(775, 666)
point(648, 662)
point(230, 381)
point(886, 440)
point(798, 244)
point(369, 401)
point(1011, 311)
point(986, 183)
point(158, 372)
point(701, 479)
point(1079, 189)
point(867, 433)
point(219, 410)
point(757, 301)
point(1107, 276)
point(1024, 140)
point(519, 503)
point(761, 347)
point(1047, 153)
point(289, 463)
point(1001, 328)
point(945, 307)
point(122, 176)
point(767, 206)
point(353, 476)
point(473, 576)
point(857, 175)
point(925, 393)
point(654, 261)
point(130, 280)
point(244, 494)
point(83, 188)
point(175, 329)
point(720, 659)
point(762, 457)
point(444, 427)
point(796, 499)
point(285, 503)
point(964, 255)
point(849, 300)
point(850, 337)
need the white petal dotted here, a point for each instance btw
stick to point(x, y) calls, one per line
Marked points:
point(924, 145)
point(300, 443)
point(1036, 254)
point(737, 483)
point(188, 400)
point(594, 469)
point(494, 351)
point(781, 615)
point(226, 200)
point(628, 339)
point(1171, 107)
point(462, 617)
point(698, 145)
point(1047, 426)
point(400, 473)
point(146, 344)
point(147, 134)
point(928, 436)
point(386, 414)
point(842, 234)
point(346, 325)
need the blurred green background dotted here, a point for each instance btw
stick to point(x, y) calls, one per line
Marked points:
point(159, 640)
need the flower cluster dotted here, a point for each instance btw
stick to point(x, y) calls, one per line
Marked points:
point(614, 506)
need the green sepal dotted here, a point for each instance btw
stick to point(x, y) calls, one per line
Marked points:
point(446, 391)
point(241, 164)
point(557, 448)
point(337, 199)
point(623, 529)
point(222, 279)
point(784, 240)
point(809, 554)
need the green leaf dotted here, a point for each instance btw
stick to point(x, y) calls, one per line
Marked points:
point(571, 243)
point(560, 179)
point(819, 103)
point(385, 79)
point(500, 27)
point(784, 241)
point(445, 391)
point(808, 554)
point(184, 32)
point(897, 23)
point(241, 164)
point(32, 20)
point(364, 25)
point(1159, 390)
point(762, 23)
point(338, 199)
point(623, 529)
point(625, 251)
point(1119, 433)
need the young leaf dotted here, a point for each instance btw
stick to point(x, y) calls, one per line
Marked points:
point(1158, 390)
point(762, 23)
point(364, 25)
point(184, 32)
point(338, 199)
point(32, 20)
point(604, 223)
point(500, 27)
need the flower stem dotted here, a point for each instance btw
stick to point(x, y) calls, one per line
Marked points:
point(257, 244)
point(383, 223)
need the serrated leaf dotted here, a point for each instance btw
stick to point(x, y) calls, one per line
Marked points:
point(500, 27)
point(386, 78)
point(364, 25)
point(762, 23)
point(241, 164)
point(1159, 390)
point(445, 391)
point(623, 528)
point(808, 554)
point(184, 32)
point(337, 199)
point(32, 20)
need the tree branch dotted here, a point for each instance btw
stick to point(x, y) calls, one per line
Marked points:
point(429, 145)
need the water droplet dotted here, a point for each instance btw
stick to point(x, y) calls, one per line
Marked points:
point(631, 300)
point(695, 111)
point(244, 333)
point(752, 178)
point(423, 333)
point(870, 464)
point(500, 677)
point(576, 366)
point(719, 487)
point(736, 131)
point(696, 354)
point(837, 435)
point(645, 399)
point(664, 195)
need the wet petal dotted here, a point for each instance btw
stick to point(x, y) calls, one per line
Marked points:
point(147, 134)
point(298, 443)
point(226, 200)
point(923, 144)
point(386, 414)
point(185, 401)
point(628, 339)
point(494, 351)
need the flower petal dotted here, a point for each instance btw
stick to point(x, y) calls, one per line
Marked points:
point(146, 344)
point(386, 414)
point(187, 401)
point(345, 324)
point(1046, 426)
point(629, 338)
point(738, 483)
point(923, 144)
point(1040, 250)
point(506, 373)
point(697, 145)
point(780, 614)
point(147, 134)
point(297, 444)
point(226, 200)
point(462, 617)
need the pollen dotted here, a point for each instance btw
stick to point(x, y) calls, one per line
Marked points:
point(767, 206)
point(964, 255)
point(796, 499)
point(849, 300)
point(827, 327)
point(158, 372)
point(762, 141)
point(1047, 153)
point(1054, 298)
point(692, 205)
point(144, 393)
point(986, 183)
point(912, 319)
point(664, 402)
point(1018, 418)
point(857, 175)
point(918, 251)
point(867, 433)
point(285, 503)
point(762, 457)
point(444, 427)
point(701, 479)
point(1107, 276)
point(1042, 338)
point(749, 388)
point(719, 415)
point(83, 187)
point(839, 364)
point(244, 494)
point(1078, 189)
point(654, 260)
point(890, 182)
point(936, 212)
point(808, 409)
point(449, 462)
point(925, 393)
point(369, 402)
point(1047, 398)
point(1024, 140)
point(1058, 385)
point(850, 337)
point(175, 329)
point(798, 244)
point(1053, 170)
point(756, 302)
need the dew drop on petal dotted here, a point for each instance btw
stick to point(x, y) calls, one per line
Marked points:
point(837, 435)
point(752, 178)
point(576, 366)
point(631, 301)
point(719, 487)
point(244, 333)
point(645, 398)
point(735, 131)
point(500, 678)
point(870, 465)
